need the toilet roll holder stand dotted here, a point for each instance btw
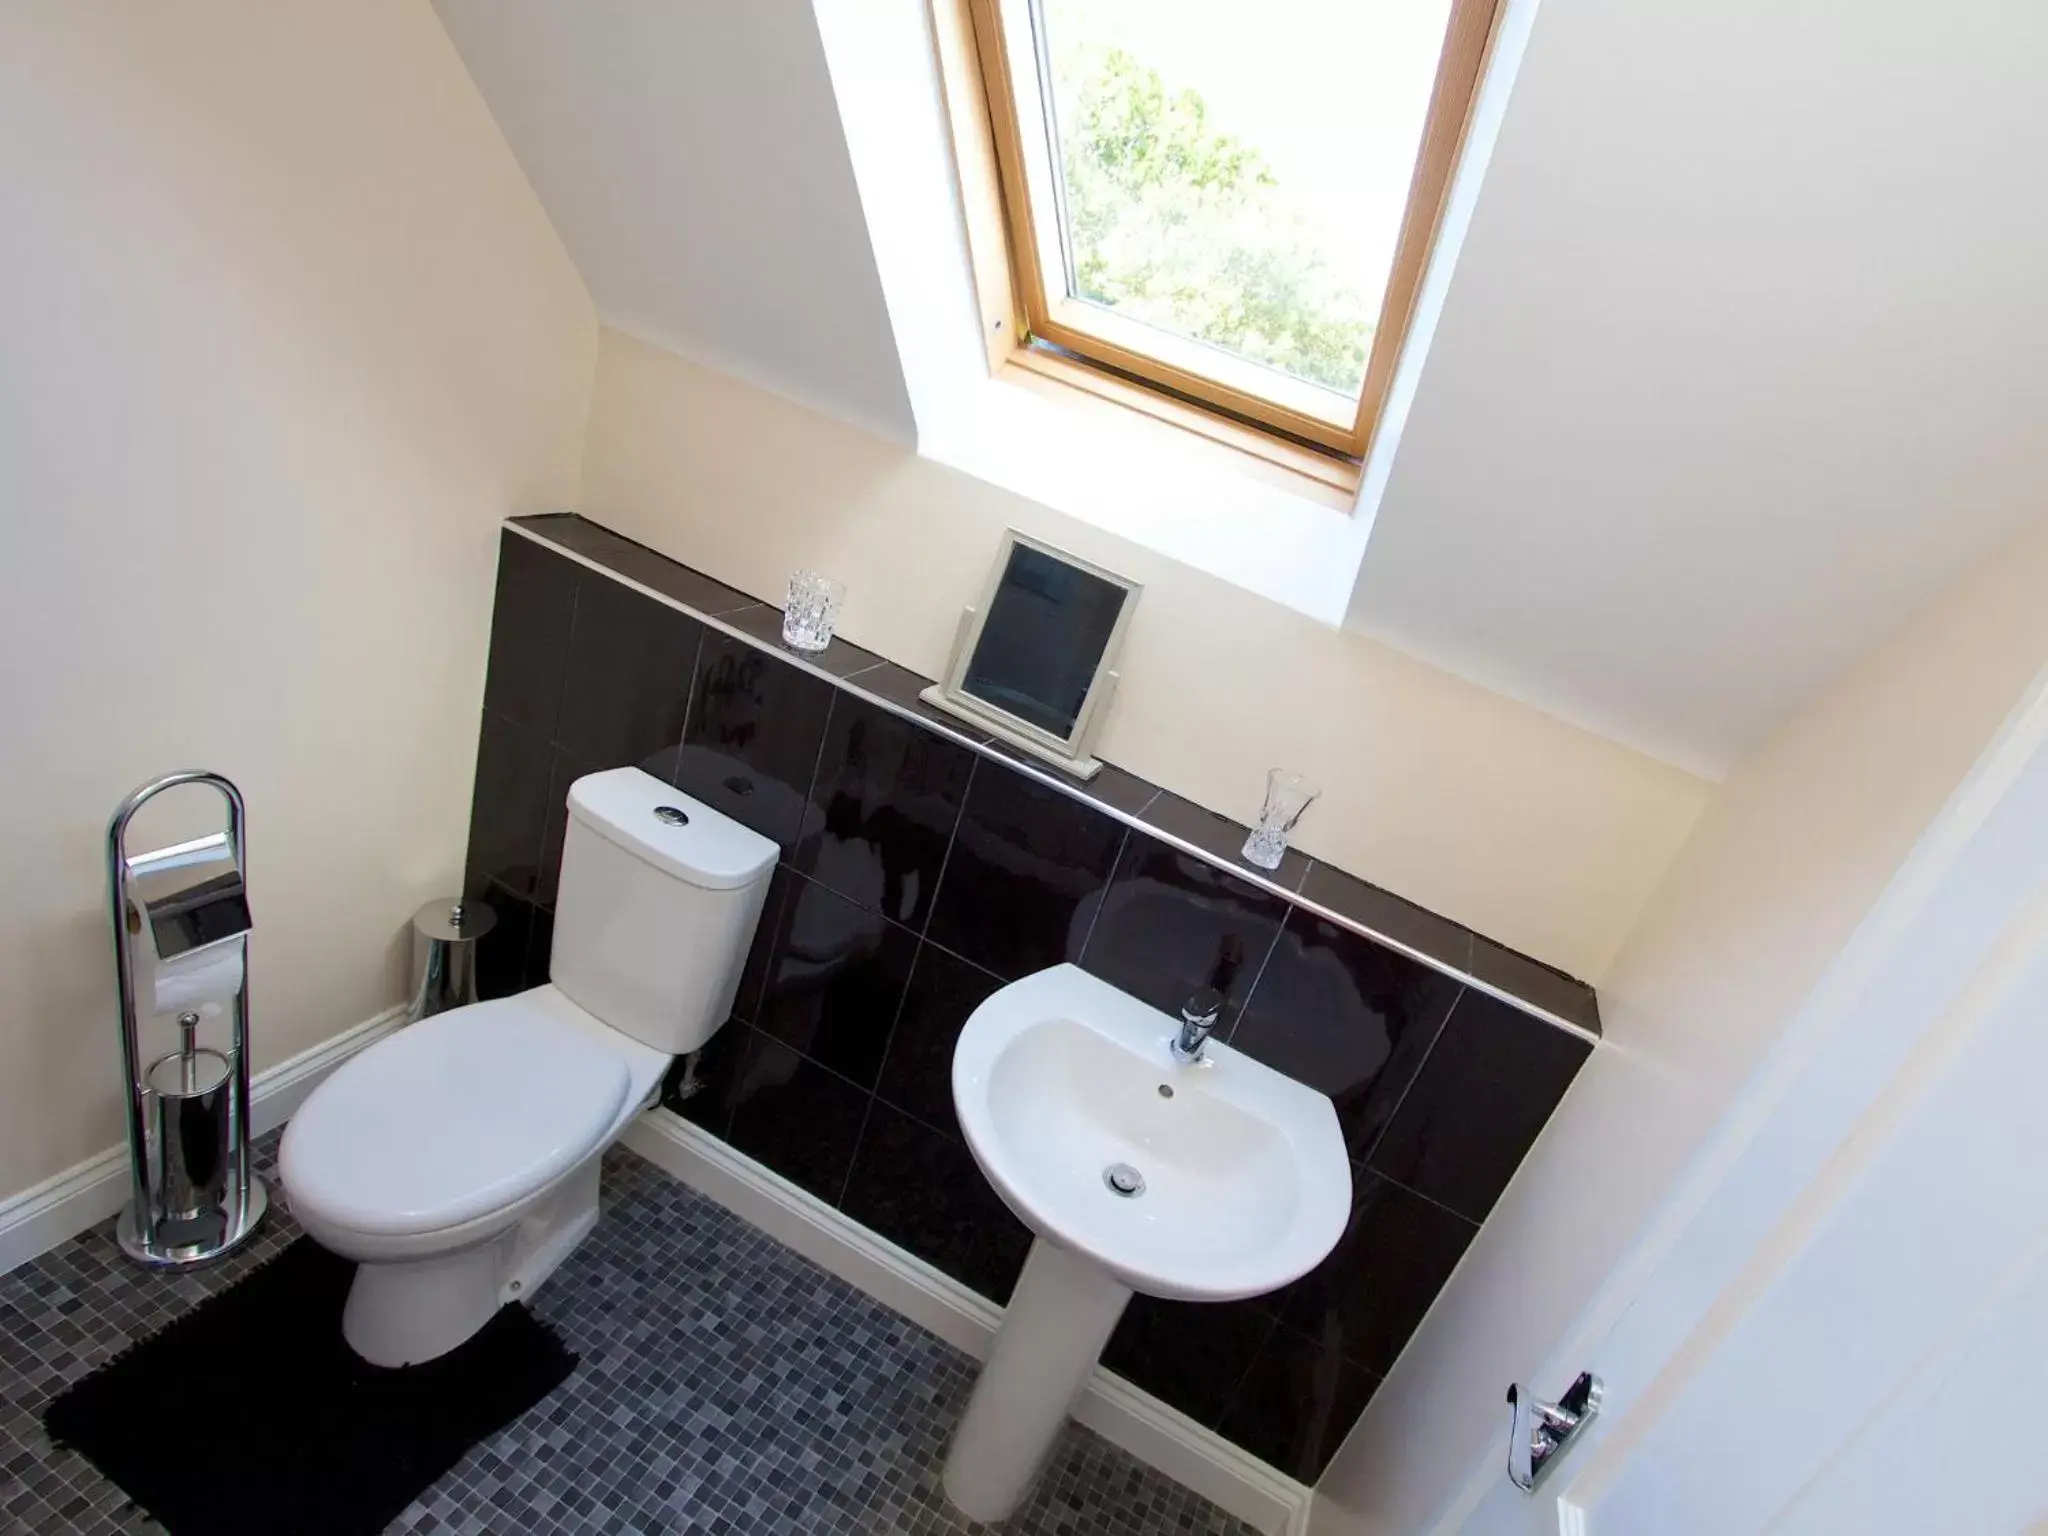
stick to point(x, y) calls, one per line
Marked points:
point(178, 909)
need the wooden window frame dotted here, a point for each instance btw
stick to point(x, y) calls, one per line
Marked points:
point(1038, 328)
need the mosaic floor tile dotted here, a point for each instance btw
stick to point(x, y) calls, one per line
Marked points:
point(726, 1385)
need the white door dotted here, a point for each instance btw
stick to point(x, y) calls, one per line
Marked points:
point(1841, 1323)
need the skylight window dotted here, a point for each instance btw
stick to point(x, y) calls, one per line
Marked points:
point(1227, 204)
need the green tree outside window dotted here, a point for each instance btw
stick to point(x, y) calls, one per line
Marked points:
point(1186, 228)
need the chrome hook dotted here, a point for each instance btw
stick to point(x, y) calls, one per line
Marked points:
point(1539, 1432)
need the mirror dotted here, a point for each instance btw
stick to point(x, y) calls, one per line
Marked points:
point(1034, 662)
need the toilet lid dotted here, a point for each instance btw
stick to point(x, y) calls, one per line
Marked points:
point(452, 1118)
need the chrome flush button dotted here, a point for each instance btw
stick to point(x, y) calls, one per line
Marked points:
point(673, 815)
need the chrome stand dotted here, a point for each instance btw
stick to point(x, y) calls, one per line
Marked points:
point(194, 1197)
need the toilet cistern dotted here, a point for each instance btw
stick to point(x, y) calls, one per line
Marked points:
point(1199, 1177)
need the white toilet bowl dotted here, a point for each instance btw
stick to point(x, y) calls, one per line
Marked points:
point(457, 1163)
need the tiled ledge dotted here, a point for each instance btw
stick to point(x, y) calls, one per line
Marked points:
point(1317, 887)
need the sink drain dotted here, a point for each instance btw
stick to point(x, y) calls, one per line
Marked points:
point(1124, 1180)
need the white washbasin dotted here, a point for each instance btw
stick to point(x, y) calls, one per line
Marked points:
point(1247, 1184)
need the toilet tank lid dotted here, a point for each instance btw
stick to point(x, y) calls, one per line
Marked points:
point(678, 835)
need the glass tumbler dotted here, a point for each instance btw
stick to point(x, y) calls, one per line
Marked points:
point(1288, 794)
point(807, 616)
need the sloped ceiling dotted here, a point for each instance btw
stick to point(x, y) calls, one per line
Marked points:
point(1739, 365)
point(690, 154)
point(1742, 360)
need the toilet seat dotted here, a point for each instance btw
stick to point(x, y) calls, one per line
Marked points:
point(456, 1117)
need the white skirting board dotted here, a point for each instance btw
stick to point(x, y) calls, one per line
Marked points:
point(1135, 1421)
point(58, 1209)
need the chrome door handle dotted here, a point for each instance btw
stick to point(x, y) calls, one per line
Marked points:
point(1539, 1432)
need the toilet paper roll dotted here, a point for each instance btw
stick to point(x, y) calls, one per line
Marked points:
point(203, 982)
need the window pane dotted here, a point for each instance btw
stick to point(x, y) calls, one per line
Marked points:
point(1236, 173)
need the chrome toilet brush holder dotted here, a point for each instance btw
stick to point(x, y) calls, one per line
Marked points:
point(445, 939)
point(177, 911)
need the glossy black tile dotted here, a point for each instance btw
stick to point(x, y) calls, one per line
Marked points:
point(508, 808)
point(917, 1076)
point(1171, 924)
point(1026, 875)
point(1383, 912)
point(1121, 791)
point(501, 953)
point(546, 523)
point(900, 686)
point(752, 741)
point(530, 622)
point(923, 1190)
point(1365, 1299)
point(1111, 787)
point(1191, 1354)
point(1220, 836)
point(882, 812)
point(754, 970)
point(1565, 996)
point(636, 562)
point(1352, 900)
point(795, 1116)
point(1347, 1017)
point(835, 978)
point(1478, 1103)
point(631, 660)
point(764, 622)
point(1297, 1403)
point(564, 770)
point(702, 1090)
point(540, 945)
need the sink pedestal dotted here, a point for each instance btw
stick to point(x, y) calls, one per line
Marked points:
point(1059, 1317)
point(1199, 1181)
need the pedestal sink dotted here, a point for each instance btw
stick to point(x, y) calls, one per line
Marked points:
point(1207, 1181)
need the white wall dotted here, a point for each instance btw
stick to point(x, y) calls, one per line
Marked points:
point(1739, 364)
point(1533, 831)
point(286, 334)
point(691, 155)
point(1784, 864)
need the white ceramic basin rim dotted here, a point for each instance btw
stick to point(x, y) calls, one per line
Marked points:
point(1247, 1184)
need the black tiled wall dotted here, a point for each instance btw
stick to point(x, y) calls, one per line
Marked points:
point(918, 875)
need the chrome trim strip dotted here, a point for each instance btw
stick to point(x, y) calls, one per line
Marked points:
point(1072, 788)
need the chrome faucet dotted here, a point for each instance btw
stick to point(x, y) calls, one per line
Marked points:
point(1198, 1016)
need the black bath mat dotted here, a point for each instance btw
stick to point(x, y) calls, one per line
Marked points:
point(251, 1413)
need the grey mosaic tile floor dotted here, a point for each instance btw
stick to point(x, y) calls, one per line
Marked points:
point(726, 1385)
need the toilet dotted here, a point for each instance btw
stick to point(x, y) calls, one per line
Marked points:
point(457, 1160)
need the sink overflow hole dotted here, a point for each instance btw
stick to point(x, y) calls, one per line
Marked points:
point(1166, 1090)
point(1124, 1180)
